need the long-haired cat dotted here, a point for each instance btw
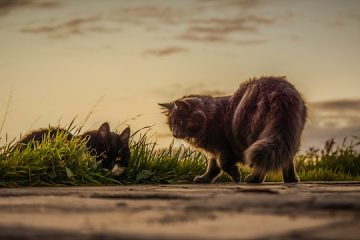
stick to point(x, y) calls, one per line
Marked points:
point(110, 148)
point(260, 125)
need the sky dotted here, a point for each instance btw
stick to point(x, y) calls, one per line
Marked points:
point(118, 59)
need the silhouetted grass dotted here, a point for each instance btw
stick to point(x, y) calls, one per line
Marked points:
point(331, 163)
point(59, 161)
point(54, 161)
point(170, 165)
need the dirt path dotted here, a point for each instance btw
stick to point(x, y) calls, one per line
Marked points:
point(215, 211)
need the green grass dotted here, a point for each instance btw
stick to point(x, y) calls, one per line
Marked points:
point(170, 165)
point(331, 163)
point(61, 162)
point(51, 162)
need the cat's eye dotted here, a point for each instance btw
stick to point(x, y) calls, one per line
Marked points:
point(181, 123)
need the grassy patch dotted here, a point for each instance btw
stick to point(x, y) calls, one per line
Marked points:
point(52, 162)
point(170, 165)
point(58, 161)
point(62, 162)
point(332, 163)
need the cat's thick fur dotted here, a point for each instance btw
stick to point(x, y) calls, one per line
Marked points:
point(110, 148)
point(260, 125)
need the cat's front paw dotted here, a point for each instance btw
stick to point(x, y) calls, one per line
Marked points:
point(294, 179)
point(236, 178)
point(253, 179)
point(202, 179)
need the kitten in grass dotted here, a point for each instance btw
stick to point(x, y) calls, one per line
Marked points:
point(260, 125)
point(110, 148)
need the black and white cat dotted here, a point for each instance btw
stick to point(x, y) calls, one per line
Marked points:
point(110, 148)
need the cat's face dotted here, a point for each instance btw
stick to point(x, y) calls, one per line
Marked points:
point(111, 148)
point(184, 119)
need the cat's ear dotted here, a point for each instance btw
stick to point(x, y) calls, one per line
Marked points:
point(166, 107)
point(182, 105)
point(104, 130)
point(125, 135)
point(200, 117)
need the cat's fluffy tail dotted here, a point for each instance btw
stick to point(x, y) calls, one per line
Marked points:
point(269, 153)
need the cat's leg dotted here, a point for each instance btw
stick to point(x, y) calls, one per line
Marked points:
point(228, 165)
point(289, 174)
point(234, 172)
point(256, 176)
point(211, 173)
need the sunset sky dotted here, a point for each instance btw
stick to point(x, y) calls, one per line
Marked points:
point(59, 58)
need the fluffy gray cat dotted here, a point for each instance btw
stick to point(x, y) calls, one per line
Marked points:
point(260, 125)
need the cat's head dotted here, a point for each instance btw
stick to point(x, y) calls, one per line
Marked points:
point(184, 117)
point(111, 148)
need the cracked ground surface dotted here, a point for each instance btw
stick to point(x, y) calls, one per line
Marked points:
point(194, 211)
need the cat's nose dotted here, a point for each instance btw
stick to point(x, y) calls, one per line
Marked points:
point(177, 134)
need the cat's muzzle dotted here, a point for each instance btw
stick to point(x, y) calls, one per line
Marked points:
point(178, 135)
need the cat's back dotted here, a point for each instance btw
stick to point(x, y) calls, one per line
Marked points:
point(263, 102)
point(260, 94)
point(40, 134)
point(265, 86)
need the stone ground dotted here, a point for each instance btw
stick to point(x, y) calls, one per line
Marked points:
point(214, 211)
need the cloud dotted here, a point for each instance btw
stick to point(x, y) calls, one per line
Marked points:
point(7, 6)
point(148, 16)
point(165, 51)
point(332, 119)
point(234, 4)
point(316, 137)
point(143, 14)
point(242, 23)
point(335, 114)
point(345, 18)
point(338, 105)
point(198, 21)
point(208, 38)
point(223, 29)
point(294, 37)
point(250, 42)
point(169, 13)
point(75, 26)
